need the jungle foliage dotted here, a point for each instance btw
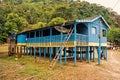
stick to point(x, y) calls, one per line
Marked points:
point(20, 15)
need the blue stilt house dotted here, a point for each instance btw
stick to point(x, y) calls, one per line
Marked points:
point(75, 39)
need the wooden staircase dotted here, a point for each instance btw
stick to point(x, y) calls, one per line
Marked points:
point(57, 56)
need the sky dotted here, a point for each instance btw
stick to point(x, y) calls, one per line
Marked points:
point(114, 4)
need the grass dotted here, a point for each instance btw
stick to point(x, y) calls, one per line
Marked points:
point(23, 66)
point(31, 68)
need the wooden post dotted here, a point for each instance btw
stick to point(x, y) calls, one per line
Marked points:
point(24, 50)
point(44, 53)
point(80, 54)
point(75, 42)
point(65, 55)
point(74, 55)
point(31, 51)
point(40, 51)
point(99, 37)
point(93, 55)
point(34, 52)
point(88, 54)
point(61, 56)
point(20, 51)
point(50, 51)
point(106, 56)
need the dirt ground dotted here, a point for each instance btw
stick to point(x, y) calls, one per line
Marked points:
point(26, 68)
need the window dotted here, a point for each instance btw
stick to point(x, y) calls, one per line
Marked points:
point(27, 35)
point(37, 34)
point(40, 33)
point(31, 34)
point(104, 33)
point(55, 32)
point(46, 32)
point(93, 30)
point(82, 29)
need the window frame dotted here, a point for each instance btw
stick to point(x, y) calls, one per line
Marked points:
point(94, 30)
point(104, 33)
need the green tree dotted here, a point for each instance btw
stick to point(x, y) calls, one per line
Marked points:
point(57, 20)
point(114, 35)
point(15, 23)
point(39, 25)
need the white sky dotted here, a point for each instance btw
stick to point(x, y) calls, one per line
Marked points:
point(114, 4)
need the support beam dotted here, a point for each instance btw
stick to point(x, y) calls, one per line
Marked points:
point(75, 23)
point(56, 50)
point(65, 61)
point(17, 50)
point(34, 52)
point(27, 51)
point(20, 51)
point(31, 51)
point(80, 54)
point(99, 55)
point(50, 51)
point(91, 57)
point(61, 56)
point(93, 54)
point(74, 56)
point(44, 53)
point(88, 54)
point(99, 37)
point(106, 54)
point(24, 50)
point(40, 51)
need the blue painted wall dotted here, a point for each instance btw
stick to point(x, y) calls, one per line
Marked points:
point(94, 37)
point(21, 38)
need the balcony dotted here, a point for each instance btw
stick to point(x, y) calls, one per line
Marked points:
point(57, 38)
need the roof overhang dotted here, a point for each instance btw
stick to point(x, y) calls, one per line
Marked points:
point(92, 19)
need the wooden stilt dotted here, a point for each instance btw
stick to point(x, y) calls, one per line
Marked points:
point(50, 51)
point(74, 56)
point(44, 53)
point(80, 54)
point(65, 61)
point(93, 55)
